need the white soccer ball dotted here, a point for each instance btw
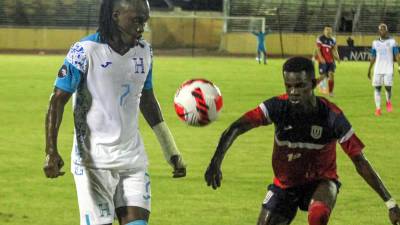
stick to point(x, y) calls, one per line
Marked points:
point(198, 102)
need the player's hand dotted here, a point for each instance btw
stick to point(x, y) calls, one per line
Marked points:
point(52, 165)
point(322, 61)
point(213, 175)
point(369, 74)
point(179, 166)
point(394, 215)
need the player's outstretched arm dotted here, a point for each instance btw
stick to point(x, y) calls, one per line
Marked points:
point(53, 162)
point(366, 171)
point(152, 113)
point(213, 175)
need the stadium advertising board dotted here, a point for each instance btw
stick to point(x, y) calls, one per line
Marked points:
point(359, 53)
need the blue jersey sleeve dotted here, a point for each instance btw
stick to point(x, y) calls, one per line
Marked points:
point(395, 50)
point(148, 83)
point(70, 73)
point(373, 52)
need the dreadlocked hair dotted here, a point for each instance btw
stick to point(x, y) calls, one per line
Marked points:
point(107, 26)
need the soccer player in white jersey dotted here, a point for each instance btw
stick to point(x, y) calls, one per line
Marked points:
point(109, 75)
point(384, 51)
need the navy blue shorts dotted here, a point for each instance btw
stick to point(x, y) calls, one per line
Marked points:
point(326, 68)
point(286, 201)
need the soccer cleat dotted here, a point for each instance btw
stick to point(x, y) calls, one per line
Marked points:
point(378, 112)
point(389, 107)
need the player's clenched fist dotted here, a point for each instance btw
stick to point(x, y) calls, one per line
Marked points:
point(52, 165)
point(213, 176)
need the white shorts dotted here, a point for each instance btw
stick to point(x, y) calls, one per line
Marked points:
point(382, 80)
point(100, 192)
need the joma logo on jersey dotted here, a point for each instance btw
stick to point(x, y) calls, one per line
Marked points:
point(139, 65)
point(316, 132)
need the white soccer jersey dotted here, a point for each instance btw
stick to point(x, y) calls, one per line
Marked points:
point(107, 87)
point(384, 51)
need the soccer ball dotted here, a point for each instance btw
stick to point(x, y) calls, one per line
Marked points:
point(198, 102)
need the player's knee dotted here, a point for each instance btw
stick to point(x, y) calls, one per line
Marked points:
point(137, 222)
point(318, 213)
point(378, 88)
point(268, 218)
point(388, 88)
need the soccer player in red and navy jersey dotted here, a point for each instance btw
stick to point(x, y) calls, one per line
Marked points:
point(327, 53)
point(307, 128)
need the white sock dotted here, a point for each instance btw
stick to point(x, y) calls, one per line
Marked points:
point(377, 99)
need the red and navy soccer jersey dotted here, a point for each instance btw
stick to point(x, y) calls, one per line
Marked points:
point(305, 145)
point(325, 46)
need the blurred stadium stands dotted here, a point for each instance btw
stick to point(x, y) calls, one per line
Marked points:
point(81, 13)
point(349, 16)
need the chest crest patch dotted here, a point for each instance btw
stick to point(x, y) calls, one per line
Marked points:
point(316, 132)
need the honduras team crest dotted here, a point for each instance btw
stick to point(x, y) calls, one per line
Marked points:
point(316, 132)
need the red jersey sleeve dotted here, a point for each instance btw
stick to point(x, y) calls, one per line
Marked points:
point(256, 117)
point(352, 145)
point(267, 112)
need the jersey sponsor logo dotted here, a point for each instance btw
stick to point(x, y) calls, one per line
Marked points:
point(105, 65)
point(316, 132)
point(62, 72)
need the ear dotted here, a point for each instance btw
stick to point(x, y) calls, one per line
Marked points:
point(115, 15)
point(314, 83)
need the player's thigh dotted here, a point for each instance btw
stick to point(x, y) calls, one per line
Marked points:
point(388, 80)
point(129, 214)
point(377, 80)
point(326, 191)
point(279, 205)
point(133, 196)
point(95, 190)
point(323, 69)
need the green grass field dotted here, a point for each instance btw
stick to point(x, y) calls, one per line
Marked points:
point(27, 197)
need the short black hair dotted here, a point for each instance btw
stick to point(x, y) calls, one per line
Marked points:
point(299, 64)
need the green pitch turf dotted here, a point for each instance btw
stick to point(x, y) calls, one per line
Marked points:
point(27, 197)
